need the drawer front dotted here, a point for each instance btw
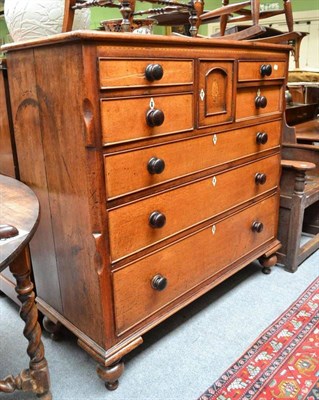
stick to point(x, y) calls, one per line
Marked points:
point(246, 101)
point(131, 171)
point(189, 262)
point(134, 73)
point(253, 70)
point(215, 93)
point(126, 119)
point(186, 206)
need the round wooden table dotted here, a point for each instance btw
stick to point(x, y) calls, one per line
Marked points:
point(19, 216)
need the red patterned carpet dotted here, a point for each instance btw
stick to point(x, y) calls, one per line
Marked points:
point(283, 363)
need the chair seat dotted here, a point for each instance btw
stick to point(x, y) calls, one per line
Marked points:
point(308, 131)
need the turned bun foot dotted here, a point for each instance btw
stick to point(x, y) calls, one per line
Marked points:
point(110, 374)
point(54, 329)
point(45, 396)
point(112, 385)
point(267, 263)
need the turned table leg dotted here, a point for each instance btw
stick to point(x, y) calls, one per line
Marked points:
point(110, 374)
point(36, 378)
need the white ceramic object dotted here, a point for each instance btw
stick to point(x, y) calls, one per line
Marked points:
point(31, 19)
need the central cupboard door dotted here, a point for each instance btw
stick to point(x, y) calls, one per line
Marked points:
point(216, 93)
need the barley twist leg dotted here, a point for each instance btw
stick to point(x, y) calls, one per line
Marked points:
point(36, 378)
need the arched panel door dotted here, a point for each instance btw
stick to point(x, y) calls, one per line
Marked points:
point(215, 93)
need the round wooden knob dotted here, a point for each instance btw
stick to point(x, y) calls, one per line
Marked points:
point(155, 165)
point(154, 72)
point(261, 138)
point(154, 117)
point(8, 231)
point(260, 178)
point(157, 219)
point(265, 70)
point(257, 226)
point(261, 102)
point(159, 282)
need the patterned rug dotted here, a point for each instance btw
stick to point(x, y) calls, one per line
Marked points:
point(283, 363)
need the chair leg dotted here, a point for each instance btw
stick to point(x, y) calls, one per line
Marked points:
point(294, 236)
point(223, 19)
point(296, 51)
point(68, 15)
point(255, 10)
point(289, 15)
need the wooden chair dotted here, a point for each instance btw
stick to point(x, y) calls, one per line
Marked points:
point(171, 14)
point(292, 38)
point(299, 200)
point(254, 14)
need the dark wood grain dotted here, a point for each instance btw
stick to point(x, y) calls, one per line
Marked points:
point(19, 208)
point(8, 162)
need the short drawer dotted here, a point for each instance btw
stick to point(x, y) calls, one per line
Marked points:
point(247, 105)
point(266, 70)
point(183, 207)
point(131, 118)
point(123, 73)
point(131, 171)
point(189, 262)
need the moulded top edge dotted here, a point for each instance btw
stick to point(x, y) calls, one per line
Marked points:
point(125, 38)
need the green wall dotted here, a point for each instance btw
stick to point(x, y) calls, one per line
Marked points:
point(100, 14)
point(3, 31)
point(297, 5)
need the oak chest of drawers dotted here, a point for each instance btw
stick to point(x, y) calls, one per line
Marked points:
point(156, 161)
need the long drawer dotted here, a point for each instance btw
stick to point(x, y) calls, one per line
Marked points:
point(188, 262)
point(131, 171)
point(139, 224)
point(125, 119)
